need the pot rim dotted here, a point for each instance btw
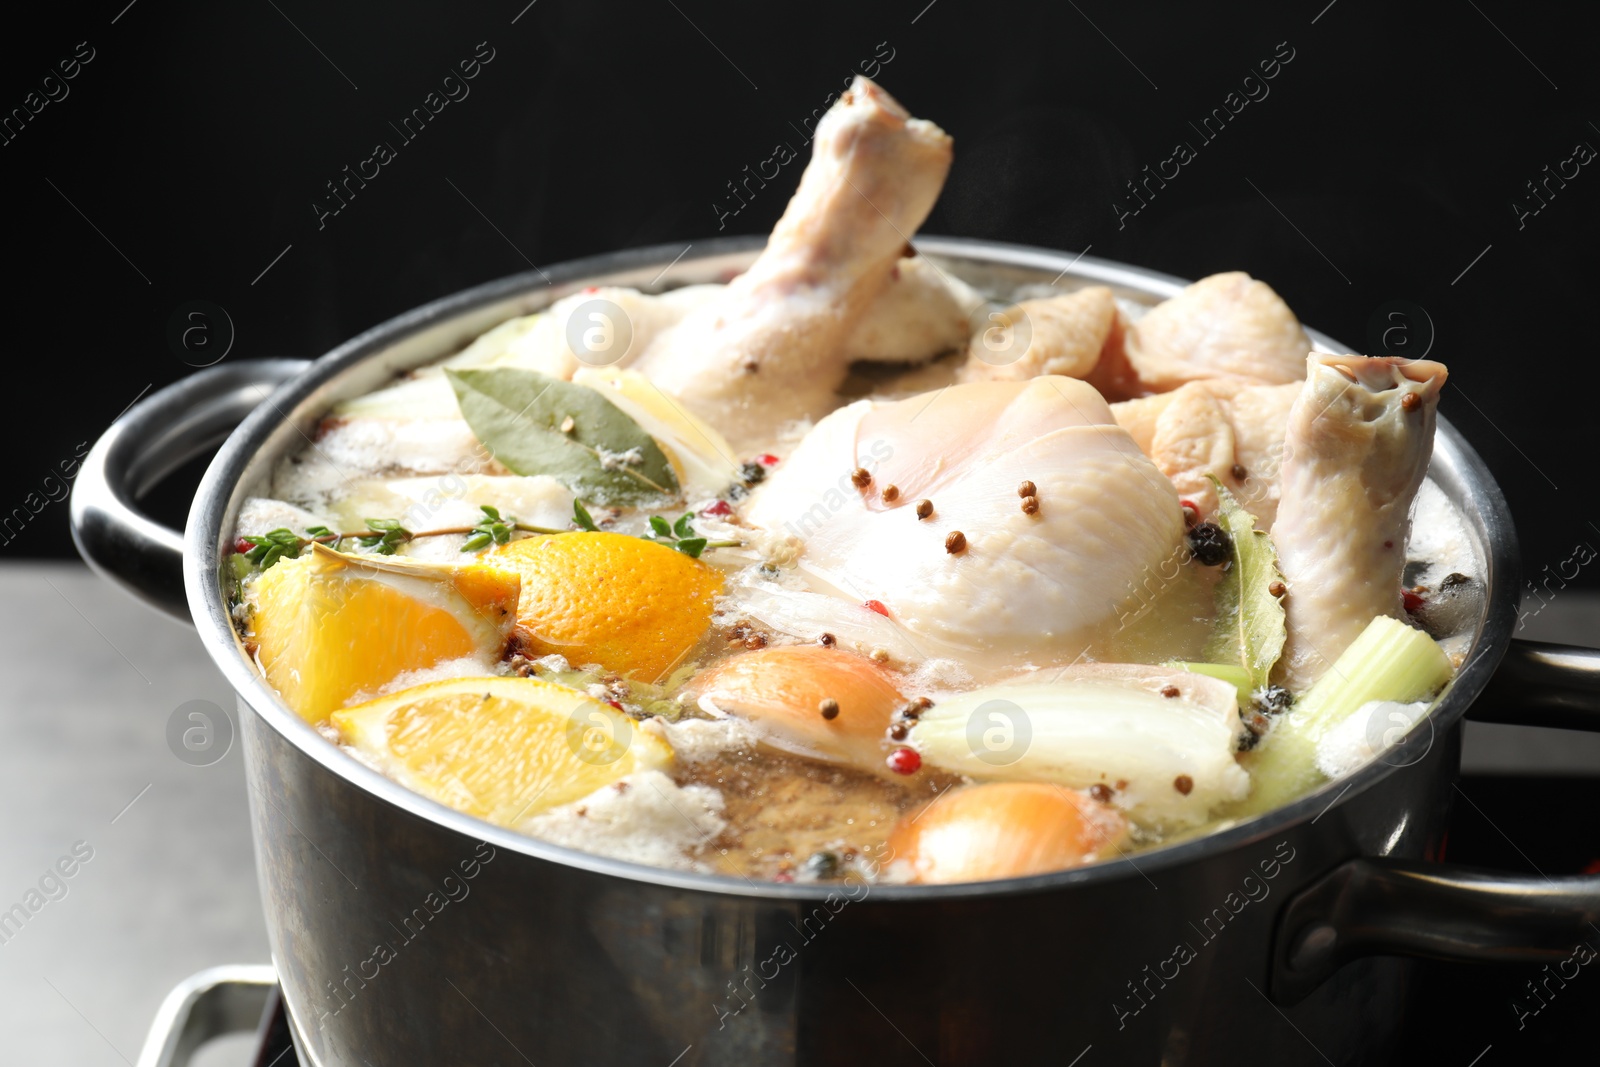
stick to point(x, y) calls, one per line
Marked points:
point(1454, 463)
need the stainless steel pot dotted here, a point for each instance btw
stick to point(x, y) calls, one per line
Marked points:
point(406, 933)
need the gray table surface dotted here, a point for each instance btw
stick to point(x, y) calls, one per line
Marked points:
point(171, 889)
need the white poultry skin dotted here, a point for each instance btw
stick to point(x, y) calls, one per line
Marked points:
point(1357, 447)
point(1224, 325)
point(1231, 429)
point(920, 313)
point(770, 348)
point(1056, 335)
point(1022, 586)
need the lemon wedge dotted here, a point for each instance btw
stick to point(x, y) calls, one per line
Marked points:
point(502, 749)
point(329, 626)
point(700, 455)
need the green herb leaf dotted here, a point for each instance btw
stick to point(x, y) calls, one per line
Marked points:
point(518, 415)
point(1249, 628)
point(582, 519)
point(491, 529)
point(315, 532)
point(281, 536)
point(270, 547)
point(680, 535)
point(387, 536)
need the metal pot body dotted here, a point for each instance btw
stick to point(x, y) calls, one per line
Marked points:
point(406, 933)
point(390, 953)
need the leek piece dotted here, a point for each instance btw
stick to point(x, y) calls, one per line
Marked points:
point(1080, 732)
point(1232, 673)
point(1390, 661)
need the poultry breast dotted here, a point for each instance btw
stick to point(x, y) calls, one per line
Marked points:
point(918, 504)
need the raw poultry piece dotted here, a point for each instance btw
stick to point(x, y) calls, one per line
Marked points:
point(1225, 325)
point(771, 347)
point(1229, 428)
point(918, 504)
point(921, 312)
point(1056, 335)
point(1359, 438)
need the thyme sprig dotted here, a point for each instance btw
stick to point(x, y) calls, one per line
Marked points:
point(491, 530)
point(681, 536)
point(385, 536)
point(270, 547)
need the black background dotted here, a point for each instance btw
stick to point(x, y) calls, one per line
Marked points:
point(1391, 148)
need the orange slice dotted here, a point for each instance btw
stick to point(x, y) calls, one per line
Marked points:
point(330, 627)
point(503, 749)
point(630, 605)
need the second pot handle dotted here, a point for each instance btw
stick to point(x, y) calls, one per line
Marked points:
point(153, 438)
point(1386, 907)
point(1382, 907)
point(1540, 684)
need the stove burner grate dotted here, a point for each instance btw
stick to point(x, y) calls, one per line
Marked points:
point(235, 999)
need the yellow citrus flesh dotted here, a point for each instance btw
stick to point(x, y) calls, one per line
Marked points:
point(503, 749)
point(630, 605)
point(699, 453)
point(330, 627)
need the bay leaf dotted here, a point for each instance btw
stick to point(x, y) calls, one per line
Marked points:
point(605, 457)
point(1250, 626)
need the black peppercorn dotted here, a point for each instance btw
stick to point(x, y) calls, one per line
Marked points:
point(1210, 544)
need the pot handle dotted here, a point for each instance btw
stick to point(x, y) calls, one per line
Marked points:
point(1388, 907)
point(149, 441)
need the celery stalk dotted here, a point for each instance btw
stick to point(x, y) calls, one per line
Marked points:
point(1389, 661)
point(1234, 674)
